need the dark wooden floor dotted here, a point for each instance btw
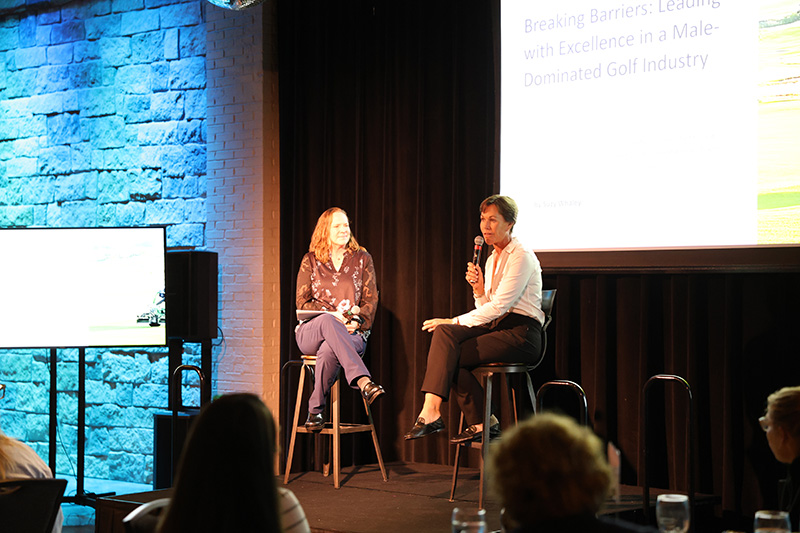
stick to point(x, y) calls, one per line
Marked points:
point(415, 498)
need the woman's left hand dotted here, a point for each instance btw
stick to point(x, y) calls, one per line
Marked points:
point(431, 323)
point(351, 326)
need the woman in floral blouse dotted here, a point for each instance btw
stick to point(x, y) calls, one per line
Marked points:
point(336, 276)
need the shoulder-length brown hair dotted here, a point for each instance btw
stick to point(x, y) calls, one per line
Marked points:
point(321, 238)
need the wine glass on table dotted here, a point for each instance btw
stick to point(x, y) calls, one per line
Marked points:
point(772, 522)
point(672, 513)
point(468, 520)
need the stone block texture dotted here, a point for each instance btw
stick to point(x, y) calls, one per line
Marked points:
point(102, 123)
point(132, 113)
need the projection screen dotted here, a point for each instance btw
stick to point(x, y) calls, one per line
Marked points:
point(672, 124)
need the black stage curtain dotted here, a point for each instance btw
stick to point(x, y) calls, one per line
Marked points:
point(389, 111)
point(731, 336)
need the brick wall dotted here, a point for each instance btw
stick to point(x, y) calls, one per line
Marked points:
point(243, 210)
point(137, 112)
point(102, 123)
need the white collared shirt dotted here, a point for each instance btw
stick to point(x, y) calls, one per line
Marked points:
point(515, 286)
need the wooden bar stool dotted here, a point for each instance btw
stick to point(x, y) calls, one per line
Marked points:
point(335, 428)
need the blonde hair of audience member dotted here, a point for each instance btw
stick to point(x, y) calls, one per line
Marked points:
point(226, 476)
point(782, 421)
point(549, 467)
point(321, 238)
point(6, 443)
point(20, 461)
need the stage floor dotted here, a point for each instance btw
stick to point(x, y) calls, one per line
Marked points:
point(415, 498)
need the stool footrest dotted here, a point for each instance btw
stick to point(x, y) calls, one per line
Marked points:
point(343, 428)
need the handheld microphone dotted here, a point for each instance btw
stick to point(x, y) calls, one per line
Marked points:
point(476, 254)
point(352, 314)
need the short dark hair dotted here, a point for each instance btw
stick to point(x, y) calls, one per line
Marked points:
point(505, 205)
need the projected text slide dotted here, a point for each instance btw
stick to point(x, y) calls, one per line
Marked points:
point(631, 125)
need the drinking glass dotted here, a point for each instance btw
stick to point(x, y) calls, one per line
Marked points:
point(672, 513)
point(469, 520)
point(771, 522)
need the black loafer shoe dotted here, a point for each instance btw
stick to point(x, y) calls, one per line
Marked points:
point(314, 422)
point(371, 391)
point(474, 434)
point(421, 429)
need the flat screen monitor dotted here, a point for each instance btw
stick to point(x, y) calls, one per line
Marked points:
point(660, 125)
point(82, 287)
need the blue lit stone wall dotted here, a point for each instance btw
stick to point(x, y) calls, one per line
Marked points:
point(102, 123)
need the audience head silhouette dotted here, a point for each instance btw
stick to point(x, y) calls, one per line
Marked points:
point(226, 476)
point(781, 422)
point(549, 468)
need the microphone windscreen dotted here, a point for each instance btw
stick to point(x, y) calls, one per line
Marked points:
point(355, 310)
point(478, 241)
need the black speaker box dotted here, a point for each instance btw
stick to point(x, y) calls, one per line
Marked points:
point(191, 295)
point(163, 465)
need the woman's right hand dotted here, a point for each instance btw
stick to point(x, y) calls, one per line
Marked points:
point(474, 277)
point(432, 323)
point(350, 324)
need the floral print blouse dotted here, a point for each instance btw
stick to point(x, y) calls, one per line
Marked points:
point(321, 287)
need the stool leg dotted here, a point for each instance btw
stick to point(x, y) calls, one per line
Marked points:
point(294, 424)
point(487, 413)
point(328, 447)
point(375, 440)
point(456, 460)
point(531, 393)
point(337, 434)
point(512, 397)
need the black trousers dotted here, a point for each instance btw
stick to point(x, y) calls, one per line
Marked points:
point(456, 350)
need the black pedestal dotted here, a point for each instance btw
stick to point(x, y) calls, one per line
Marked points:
point(163, 467)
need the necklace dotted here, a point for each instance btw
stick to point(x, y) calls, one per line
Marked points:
point(337, 258)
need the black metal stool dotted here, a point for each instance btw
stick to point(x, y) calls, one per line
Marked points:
point(566, 384)
point(487, 373)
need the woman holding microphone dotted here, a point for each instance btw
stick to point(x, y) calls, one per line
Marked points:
point(505, 325)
